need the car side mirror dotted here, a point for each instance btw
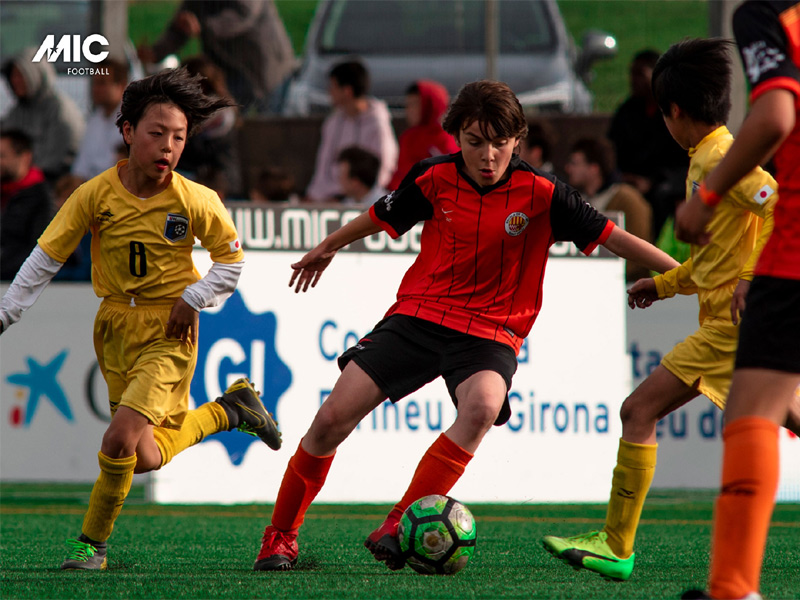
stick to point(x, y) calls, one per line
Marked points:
point(596, 45)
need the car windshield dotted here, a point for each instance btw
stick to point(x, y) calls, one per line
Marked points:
point(372, 27)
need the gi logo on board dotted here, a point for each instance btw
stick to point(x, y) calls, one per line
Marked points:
point(234, 343)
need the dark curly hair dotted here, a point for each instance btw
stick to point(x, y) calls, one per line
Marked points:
point(491, 104)
point(171, 86)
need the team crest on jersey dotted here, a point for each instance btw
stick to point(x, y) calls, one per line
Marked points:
point(516, 223)
point(176, 227)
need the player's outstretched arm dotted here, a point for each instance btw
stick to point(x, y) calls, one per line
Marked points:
point(33, 276)
point(630, 247)
point(308, 270)
point(770, 121)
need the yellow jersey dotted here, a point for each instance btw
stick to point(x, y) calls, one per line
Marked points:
point(142, 247)
point(741, 225)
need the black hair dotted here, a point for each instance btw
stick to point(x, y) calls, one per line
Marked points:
point(354, 74)
point(171, 86)
point(20, 141)
point(647, 57)
point(492, 104)
point(363, 165)
point(695, 74)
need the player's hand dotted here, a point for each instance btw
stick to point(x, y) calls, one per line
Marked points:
point(643, 293)
point(309, 269)
point(738, 300)
point(183, 322)
point(691, 219)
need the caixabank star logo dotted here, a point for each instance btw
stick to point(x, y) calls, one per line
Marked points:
point(234, 342)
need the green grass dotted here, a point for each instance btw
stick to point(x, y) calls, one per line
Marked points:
point(178, 551)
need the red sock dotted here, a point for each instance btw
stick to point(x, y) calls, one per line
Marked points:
point(744, 507)
point(437, 473)
point(304, 478)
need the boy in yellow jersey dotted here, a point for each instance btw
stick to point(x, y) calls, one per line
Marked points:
point(691, 83)
point(144, 219)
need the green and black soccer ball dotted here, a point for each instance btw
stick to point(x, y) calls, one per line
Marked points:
point(437, 535)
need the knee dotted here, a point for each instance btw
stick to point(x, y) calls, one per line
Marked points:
point(479, 416)
point(118, 443)
point(327, 427)
point(629, 412)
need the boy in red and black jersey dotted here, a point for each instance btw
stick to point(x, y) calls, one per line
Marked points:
point(462, 309)
point(767, 374)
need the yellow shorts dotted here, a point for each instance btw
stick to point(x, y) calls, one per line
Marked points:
point(707, 355)
point(143, 369)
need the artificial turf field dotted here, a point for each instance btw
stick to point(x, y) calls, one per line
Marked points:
point(180, 551)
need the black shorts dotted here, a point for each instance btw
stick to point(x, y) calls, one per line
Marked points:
point(401, 354)
point(769, 337)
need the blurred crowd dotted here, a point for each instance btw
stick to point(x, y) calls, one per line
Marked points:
point(48, 149)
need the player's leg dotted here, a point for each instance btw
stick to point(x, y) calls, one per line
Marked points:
point(480, 398)
point(610, 552)
point(117, 459)
point(353, 397)
point(759, 402)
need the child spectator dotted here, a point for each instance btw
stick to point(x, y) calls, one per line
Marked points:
point(358, 176)
point(426, 103)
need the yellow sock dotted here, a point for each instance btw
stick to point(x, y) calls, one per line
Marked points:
point(210, 418)
point(636, 464)
point(108, 494)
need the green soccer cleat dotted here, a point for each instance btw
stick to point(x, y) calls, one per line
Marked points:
point(590, 551)
point(85, 556)
point(247, 414)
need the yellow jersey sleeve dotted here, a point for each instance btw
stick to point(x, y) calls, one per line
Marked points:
point(68, 227)
point(214, 228)
point(756, 192)
point(676, 281)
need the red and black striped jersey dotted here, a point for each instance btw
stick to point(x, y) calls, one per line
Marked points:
point(768, 36)
point(483, 249)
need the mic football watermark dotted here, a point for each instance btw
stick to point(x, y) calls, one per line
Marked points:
point(73, 49)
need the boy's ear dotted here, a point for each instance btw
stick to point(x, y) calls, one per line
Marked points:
point(675, 111)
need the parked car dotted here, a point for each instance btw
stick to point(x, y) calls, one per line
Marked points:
point(401, 41)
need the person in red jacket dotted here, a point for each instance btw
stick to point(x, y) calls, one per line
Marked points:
point(426, 102)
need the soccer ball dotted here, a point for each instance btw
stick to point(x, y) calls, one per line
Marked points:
point(437, 535)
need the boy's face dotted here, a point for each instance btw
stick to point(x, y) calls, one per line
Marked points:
point(486, 160)
point(578, 170)
point(349, 185)
point(157, 141)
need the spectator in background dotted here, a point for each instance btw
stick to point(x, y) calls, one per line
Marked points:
point(27, 205)
point(211, 157)
point(274, 184)
point(590, 169)
point(357, 120)
point(49, 118)
point(426, 103)
point(358, 176)
point(536, 147)
point(246, 38)
point(647, 156)
point(97, 149)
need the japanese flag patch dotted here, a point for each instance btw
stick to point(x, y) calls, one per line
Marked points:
point(763, 194)
point(234, 245)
